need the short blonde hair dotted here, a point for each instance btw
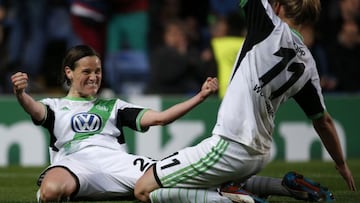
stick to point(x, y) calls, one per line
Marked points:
point(301, 12)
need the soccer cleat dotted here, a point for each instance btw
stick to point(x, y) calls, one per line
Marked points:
point(235, 193)
point(303, 188)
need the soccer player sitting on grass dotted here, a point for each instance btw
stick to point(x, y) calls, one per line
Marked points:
point(87, 145)
point(273, 66)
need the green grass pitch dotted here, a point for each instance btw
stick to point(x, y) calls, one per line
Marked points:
point(17, 184)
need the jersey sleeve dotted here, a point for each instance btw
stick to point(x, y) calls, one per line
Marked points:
point(49, 117)
point(49, 114)
point(310, 101)
point(131, 117)
point(48, 122)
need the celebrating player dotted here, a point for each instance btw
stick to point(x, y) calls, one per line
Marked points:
point(87, 152)
point(273, 66)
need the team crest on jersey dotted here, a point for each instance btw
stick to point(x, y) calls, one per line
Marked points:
point(86, 122)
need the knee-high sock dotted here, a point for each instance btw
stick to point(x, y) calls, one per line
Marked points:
point(185, 195)
point(265, 186)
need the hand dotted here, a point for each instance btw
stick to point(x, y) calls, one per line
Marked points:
point(20, 82)
point(210, 86)
point(346, 174)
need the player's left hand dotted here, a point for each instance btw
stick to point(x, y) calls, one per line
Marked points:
point(210, 86)
point(346, 174)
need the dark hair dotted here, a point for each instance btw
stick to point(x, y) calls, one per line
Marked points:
point(73, 55)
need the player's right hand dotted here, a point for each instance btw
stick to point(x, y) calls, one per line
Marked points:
point(20, 82)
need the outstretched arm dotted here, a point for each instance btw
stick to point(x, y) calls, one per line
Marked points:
point(151, 117)
point(324, 126)
point(35, 109)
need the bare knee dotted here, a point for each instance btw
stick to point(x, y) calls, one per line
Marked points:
point(50, 192)
point(142, 196)
point(145, 185)
point(58, 184)
point(140, 192)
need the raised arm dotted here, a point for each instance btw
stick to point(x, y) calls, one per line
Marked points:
point(324, 126)
point(35, 109)
point(151, 117)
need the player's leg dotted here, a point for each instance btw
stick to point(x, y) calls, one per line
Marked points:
point(57, 184)
point(237, 193)
point(265, 186)
point(186, 195)
point(178, 169)
point(145, 185)
point(205, 165)
point(291, 185)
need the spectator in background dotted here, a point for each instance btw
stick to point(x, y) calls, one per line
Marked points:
point(222, 8)
point(334, 13)
point(3, 74)
point(126, 62)
point(176, 67)
point(193, 13)
point(159, 13)
point(228, 35)
point(128, 25)
point(59, 37)
point(89, 21)
point(344, 58)
point(2, 18)
point(328, 81)
point(38, 32)
point(26, 44)
point(344, 19)
point(349, 10)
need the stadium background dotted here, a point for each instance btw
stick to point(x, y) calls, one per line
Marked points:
point(22, 143)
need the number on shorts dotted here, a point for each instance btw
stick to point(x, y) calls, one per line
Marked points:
point(174, 162)
point(142, 163)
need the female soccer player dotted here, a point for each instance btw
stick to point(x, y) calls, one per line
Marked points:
point(273, 66)
point(87, 152)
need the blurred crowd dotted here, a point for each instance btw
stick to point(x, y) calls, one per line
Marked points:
point(160, 46)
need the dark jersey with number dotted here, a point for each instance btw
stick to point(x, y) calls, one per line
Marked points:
point(272, 66)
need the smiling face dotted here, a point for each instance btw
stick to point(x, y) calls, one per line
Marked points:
point(85, 78)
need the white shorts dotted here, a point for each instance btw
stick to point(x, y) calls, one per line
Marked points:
point(210, 163)
point(103, 173)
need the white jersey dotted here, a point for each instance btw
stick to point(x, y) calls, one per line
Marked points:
point(74, 124)
point(273, 66)
point(87, 139)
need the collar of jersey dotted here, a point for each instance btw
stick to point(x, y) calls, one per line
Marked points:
point(80, 98)
point(297, 33)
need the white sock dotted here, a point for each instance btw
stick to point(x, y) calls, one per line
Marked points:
point(264, 186)
point(186, 195)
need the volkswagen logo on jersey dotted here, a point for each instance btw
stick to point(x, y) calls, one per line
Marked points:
point(85, 122)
